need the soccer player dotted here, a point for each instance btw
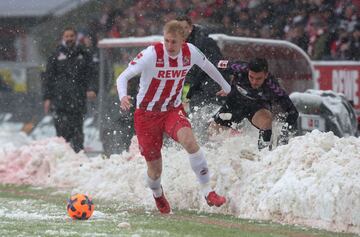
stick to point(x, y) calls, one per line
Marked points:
point(159, 110)
point(253, 95)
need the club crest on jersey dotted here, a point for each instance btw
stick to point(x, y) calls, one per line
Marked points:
point(186, 61)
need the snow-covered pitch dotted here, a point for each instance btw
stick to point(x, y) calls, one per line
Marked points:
point(312, 181)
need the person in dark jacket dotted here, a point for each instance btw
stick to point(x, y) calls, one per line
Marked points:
point(202, 88)
point(355, 44)
point(68, 81)
point(254, 94)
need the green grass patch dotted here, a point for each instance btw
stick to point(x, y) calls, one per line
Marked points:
point(28, 211)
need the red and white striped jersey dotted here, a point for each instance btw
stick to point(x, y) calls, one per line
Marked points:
point(162, 77)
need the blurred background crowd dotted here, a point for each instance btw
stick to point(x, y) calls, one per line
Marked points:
point(326, 30)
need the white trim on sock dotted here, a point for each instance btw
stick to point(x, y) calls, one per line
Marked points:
point(205, 189)
point(154, 185)
point(197, 154)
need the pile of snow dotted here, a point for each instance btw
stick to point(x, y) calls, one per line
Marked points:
point(314, 180)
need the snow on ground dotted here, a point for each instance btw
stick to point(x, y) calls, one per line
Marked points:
point(313, 181)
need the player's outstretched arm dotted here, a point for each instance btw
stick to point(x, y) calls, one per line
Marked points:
point(211, 70)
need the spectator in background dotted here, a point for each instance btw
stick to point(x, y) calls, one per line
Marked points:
point(242, 30)
point(319, 38)
point(117, 30)
point(327, 14)
point(202, 88)
point(227, 24)
point(355, 44)
point(105, 15)
point(349, 17)
point(248, 18)
point(340, 48)
point(297, 35)
point(68, 80)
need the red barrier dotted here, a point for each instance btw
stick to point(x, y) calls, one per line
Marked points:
point(339, 76)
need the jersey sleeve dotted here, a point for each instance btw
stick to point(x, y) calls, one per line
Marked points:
point(198, 57)
point(135, 67)
point(236, 67)
point(143, 59)
point(283, 100)
point(201, 60)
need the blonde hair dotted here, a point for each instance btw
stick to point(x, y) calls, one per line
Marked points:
point(174, 27)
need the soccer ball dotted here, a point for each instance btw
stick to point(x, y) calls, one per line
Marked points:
point(80, 207)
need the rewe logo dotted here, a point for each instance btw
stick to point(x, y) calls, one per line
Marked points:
point(171, 73)
point(346, 82)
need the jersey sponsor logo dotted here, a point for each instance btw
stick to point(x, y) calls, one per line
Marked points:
point(171, 73)
point(186, 60)
point(160, 62)
point(186, 55)
point(223, 63)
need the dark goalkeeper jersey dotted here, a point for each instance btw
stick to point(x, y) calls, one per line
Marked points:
point(268, 95)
